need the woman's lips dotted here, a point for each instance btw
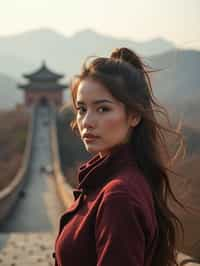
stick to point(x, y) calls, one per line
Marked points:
point(90, 138)
point(89, 135)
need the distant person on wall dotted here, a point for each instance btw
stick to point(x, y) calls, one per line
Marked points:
point(120, 214)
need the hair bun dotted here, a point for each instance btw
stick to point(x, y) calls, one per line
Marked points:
point(127, 55)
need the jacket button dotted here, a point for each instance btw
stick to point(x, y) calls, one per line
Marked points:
point(54, 255)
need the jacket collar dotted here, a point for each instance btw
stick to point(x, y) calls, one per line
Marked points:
point(95, 172)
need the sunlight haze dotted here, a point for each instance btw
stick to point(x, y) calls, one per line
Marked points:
point(175, 20)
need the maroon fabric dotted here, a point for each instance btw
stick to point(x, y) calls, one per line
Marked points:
point(112, 220)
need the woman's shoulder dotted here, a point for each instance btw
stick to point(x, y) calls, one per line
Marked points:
point(132, 185)
point(129, 182)
point(129, 189)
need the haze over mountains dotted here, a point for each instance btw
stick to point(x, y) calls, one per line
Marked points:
point(23, 53)
point(64, 53)
point(178, 79)
point(9, 95)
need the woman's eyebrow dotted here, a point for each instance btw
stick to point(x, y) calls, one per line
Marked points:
point(96, 102)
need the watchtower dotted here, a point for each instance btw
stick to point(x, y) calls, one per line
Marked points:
point(43, 86)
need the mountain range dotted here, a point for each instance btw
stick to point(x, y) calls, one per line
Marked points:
point(24, 52)
point(176, 81)
point(9, 95)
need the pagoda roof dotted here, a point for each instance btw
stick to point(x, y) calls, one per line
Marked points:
point(43, 73)
point(41, 87)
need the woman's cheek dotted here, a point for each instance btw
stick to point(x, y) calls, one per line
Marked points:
point(112, 122)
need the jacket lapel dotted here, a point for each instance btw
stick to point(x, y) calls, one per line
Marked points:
point(65, 217)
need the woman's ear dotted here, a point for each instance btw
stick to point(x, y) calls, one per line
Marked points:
point(135, 120)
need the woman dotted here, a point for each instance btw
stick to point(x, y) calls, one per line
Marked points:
point(120, 214)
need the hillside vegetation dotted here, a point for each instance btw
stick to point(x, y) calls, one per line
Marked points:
point(13, 134)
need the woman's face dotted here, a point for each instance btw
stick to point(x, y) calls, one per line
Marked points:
point(102, 116)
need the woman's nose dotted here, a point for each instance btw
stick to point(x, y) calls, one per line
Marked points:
point(88, 120)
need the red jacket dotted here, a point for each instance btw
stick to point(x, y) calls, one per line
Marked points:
point(112, 221)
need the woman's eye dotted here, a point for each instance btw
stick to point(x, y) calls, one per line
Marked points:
point(80, 110)
point(103, 109)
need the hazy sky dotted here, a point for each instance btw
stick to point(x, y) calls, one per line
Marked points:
point(176, 20)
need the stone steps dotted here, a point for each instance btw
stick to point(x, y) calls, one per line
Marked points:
point(26, 249)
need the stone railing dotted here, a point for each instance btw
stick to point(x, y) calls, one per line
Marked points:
point(10, 194)
point(64, 190)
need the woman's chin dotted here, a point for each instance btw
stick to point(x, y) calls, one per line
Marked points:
point(91, 149)
point(95, 150)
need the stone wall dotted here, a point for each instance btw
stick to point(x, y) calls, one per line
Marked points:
point(54, 97)
point(10, 194)
point(64, 190)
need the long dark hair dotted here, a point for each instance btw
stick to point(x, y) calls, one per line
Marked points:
point(127, 78)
